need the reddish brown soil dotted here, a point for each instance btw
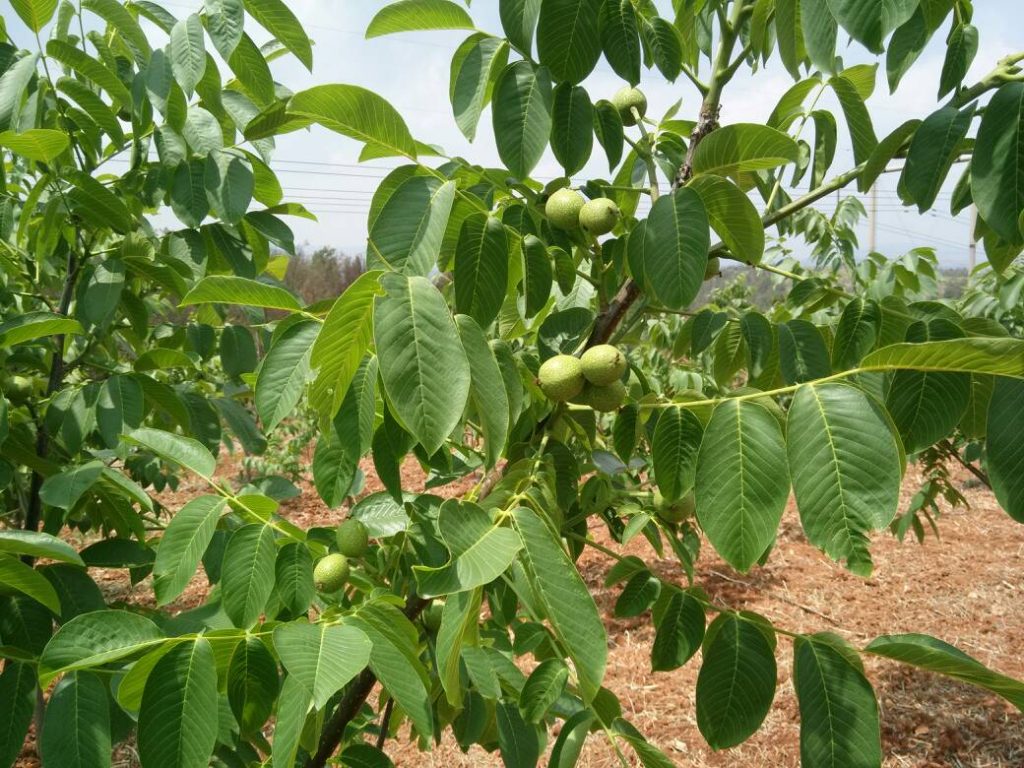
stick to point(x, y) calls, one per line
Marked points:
point(965, 588)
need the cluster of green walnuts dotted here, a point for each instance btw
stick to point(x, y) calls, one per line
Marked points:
point(332, 571)
point(568, 210)
point(594, 378)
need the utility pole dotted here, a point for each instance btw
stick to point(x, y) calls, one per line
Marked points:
point(972, 243)
point(873, 219)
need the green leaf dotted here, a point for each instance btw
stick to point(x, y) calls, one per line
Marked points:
point(568, 38)
point(620, 39)
point(183, 451)
point(905, 47)
point(40, 144)
point(792, 51)
point(543, 687)
point(481, 550)
point(518, 741)
point(17, 703)
point(674, 247)
point(858, 120)
point(188, 53)
point(342, 343)
point(77, 592)
point(936, 656)
point(188, 193)
point(224, 21)
point(736, 683)
point(76, 728)
point(961, 49)
point(15, 575)
point(487, 392)
point(518, 21)
point(936, 144)
point(1002, 357)
point(825, 142)
point(292, 709)
point(120, 407)
point(38, 544)
point(679, 630)
point(322, 657)
point(474, 68)
point(415, 15)
point(253, 684)
point(293, 578)
point(522, 116)
point(275, 17)
point(674, 446)
point(564, 599)
point(228, 181)
point(422, 363)
point(247, 576)
point(283, 374)
point(838, 712)
point(231, 289)
point(572, 127)
point(885, 150)
point(36, 325)
point(1004, 449)
point(90, 68)
point(997, 165)
point(567, 748)
point(94, 639)
point(337, 454)
point(846, 470)
point(820, 32)
point(803, 355)
point(856, 333)
point(742, 483)
point(609, 130)
point(395, 660)
point(481, 267)
point(14, 88)
point(743, 147)
point(926, 406)
point(537, 274)
point(666, 48)
point(182, 546)
point(178, 716)
point(357, 113)
point(93, 105)
point(733, 217)
point(35, 13)
point(406, 234)
point(869, 23)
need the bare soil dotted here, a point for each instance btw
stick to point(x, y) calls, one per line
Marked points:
point(965, 588)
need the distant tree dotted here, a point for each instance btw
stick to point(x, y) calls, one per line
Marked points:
point(323, 275)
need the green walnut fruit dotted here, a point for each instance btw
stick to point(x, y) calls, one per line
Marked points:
point(563, 209)
point(432, 616)
point(331, 572)
point(353, 538)
point(714, 268)
point(599, 217)
point(678, 511)
point(625, 99)
point(603, 364)
point(19, 389)
point(608, 397)
point(561, 377)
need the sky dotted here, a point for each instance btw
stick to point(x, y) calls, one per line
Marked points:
point(320, 168)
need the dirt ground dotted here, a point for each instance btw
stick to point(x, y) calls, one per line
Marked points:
point(965, 587)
